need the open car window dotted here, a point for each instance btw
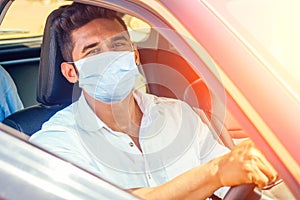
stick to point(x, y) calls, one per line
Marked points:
point(31, 27)
point(33, 15)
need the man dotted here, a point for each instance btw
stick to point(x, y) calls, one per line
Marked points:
point(156, 147)
point(10, 101)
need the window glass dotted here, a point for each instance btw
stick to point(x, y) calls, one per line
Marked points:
point(269, 29)
point(139, 30)
point(26, 18)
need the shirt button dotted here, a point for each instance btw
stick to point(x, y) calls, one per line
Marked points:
point(131, 144)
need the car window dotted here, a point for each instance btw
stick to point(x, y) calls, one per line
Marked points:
point(33, 14)
point(138, 29)
point(21, 33)
point(32, 25)
point(261, 25)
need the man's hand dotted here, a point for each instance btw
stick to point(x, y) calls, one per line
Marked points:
point(245, 164)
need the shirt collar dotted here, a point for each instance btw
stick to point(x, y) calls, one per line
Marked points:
point(85, 116)
point(87, 120)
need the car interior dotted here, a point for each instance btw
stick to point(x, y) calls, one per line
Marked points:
point(53, 91)
point(44, 90)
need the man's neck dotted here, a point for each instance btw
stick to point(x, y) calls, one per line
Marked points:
point(123, 117)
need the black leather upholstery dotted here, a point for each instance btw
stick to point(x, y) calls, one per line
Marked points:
point(31, 119)
point(54, 91)
point(53, 88)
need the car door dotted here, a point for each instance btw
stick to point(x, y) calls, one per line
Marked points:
point(262, 97)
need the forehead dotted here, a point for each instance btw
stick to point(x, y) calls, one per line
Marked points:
point(96, 31)
point(103, 28)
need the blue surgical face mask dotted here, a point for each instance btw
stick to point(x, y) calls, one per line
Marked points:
point(108, 77)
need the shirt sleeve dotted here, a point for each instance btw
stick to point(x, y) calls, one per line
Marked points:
point(210, 148)
point(64, 144)
point(10, 101)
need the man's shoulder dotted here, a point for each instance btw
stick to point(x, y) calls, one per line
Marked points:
point(64, 117)
point(61, 122)
point(176, 108)
point(55, 134)
point(172, 103)
point(162, 100)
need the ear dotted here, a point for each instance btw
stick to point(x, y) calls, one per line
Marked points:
point(137, 55)
point(69, 72)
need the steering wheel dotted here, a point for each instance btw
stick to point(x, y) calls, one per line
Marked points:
point(243, 192)
point(240, 192)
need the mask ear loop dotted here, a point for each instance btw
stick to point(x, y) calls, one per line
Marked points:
point(132, 47)
point(76, 70)
point(142, 76)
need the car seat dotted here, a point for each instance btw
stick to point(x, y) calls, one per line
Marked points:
point(54, 92)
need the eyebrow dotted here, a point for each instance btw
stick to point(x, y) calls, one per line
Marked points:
point(118, 37)
point(89, 47)
point(115, 38)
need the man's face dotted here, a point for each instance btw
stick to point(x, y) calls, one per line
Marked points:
point(98, 36)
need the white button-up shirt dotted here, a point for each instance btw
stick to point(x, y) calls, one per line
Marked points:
point(172, 137)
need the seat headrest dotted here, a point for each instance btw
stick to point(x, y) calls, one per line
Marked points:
point(53, 89)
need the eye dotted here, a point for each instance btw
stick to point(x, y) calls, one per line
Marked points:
point(94, 51)
point(120, 45)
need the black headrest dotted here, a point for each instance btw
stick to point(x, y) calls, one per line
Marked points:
point(53, 88)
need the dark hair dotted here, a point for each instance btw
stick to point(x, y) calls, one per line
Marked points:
point(75, 16)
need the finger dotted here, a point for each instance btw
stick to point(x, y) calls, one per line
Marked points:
point(258, 177)
point(246, 143)
point(265, 166)
point(260, 160)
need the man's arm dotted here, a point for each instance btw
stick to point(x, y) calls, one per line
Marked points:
point(198, 183)
point(244, 164)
